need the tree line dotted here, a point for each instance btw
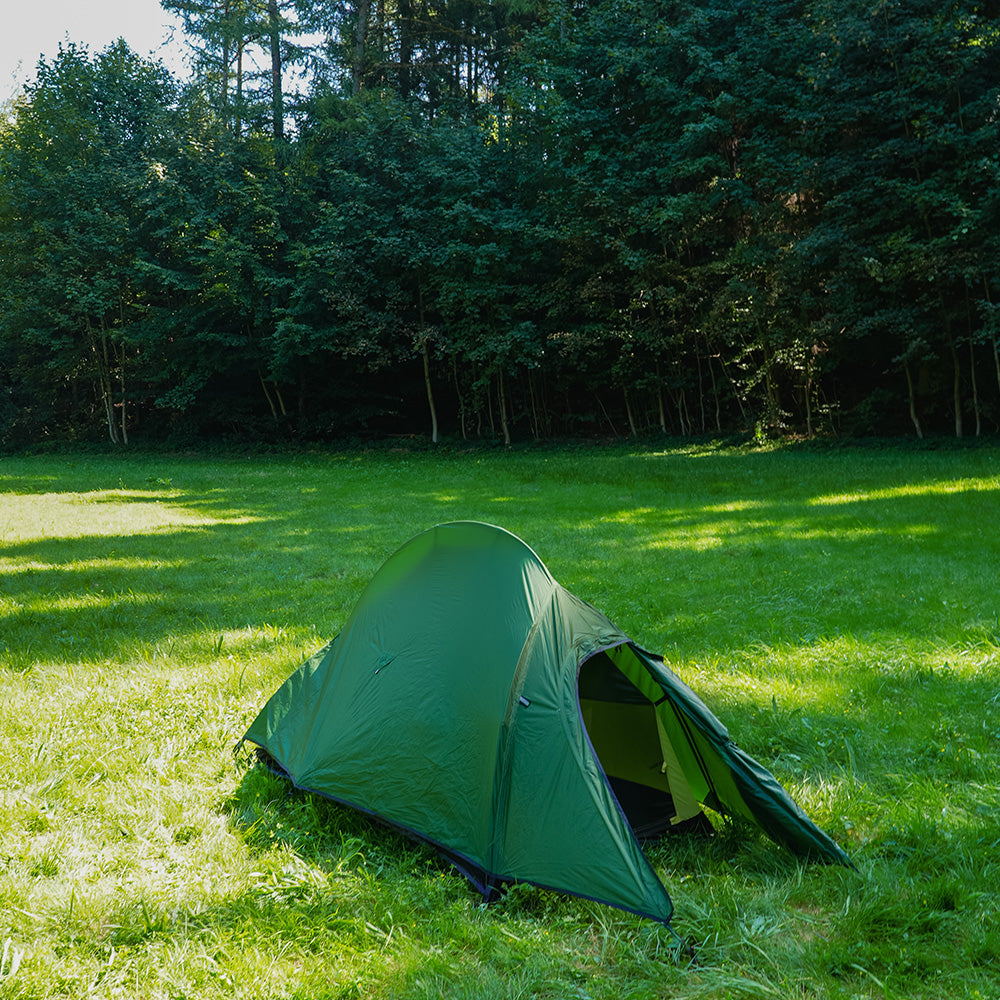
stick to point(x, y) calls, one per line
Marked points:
point(510, 219)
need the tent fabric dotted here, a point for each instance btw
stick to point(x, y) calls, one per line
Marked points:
point(473, 702)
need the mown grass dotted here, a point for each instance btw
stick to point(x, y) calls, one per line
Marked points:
point(839, 611)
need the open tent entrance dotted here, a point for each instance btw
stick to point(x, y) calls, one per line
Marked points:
point(629, 719)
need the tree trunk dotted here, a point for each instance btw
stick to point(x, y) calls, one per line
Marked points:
point(360, 37)
point(405, 10)
point(996, 359)
point(461, 398)
point(659, 400)
point(628, 413)
point(267, 396)
point(536, 428)
point(996, 343)
point(808, 387)
point(109, 411)
point(956, 390)
point(121, 374)
point(701, 387)
point(473, 60)
point(544, 414)
point(503, 409)
point(277, 102)
point(99, 348)
point(975, 389)
point(380, 76)
point(715, 395)
point(772, 396)
point(607, 416)
point(913, 401)
point(430, 394)
point(238, 109)
point(224, 94)
point(489, 408)
point(734, 387)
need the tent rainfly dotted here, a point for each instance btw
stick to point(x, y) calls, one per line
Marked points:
point(474, 703)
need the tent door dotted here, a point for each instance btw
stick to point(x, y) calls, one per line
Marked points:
point(632, 745)
point(685, 804)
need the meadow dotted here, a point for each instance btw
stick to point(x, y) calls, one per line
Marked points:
point(839, 610)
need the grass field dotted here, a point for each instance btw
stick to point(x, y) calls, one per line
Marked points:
point(838, 610)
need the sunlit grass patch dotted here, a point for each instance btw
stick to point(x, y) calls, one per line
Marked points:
point(941, 488)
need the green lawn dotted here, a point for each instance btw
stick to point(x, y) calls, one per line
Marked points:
point(839, 611)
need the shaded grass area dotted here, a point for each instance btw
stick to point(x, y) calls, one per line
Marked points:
point(838, 611)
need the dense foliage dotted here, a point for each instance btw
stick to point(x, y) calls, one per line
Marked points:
point(509, 219)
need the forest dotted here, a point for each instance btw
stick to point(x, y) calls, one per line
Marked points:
point(508, 220)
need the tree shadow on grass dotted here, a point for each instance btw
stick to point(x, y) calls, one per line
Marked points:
point(101, 595)
point(698, 559)
point(707, 559)
point(710, 564)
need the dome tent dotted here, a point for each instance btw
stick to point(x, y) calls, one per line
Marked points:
point(473, 702)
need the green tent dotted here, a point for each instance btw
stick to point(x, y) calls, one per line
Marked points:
point(473, 702)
